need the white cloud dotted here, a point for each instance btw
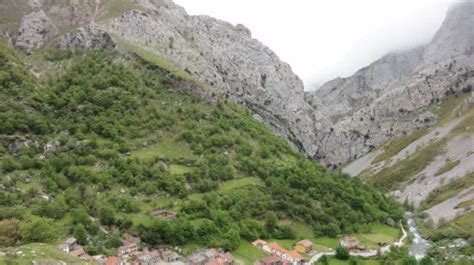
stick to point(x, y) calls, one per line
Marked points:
point(323, 39)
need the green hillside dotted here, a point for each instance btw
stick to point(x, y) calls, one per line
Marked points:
point(109, 141)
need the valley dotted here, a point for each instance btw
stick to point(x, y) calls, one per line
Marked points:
point(134, 133)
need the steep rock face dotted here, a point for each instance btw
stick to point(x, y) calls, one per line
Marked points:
point(85, 38)
point(389, 98)
point(36, 28)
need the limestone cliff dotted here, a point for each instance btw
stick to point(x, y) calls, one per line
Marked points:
point(389, 98)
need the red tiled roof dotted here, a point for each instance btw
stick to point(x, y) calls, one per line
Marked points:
point(277, 247)
point(113, 261)
point(293, 253)
point(271, 259)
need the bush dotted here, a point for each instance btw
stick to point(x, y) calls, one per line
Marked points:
point(39, 230)
point(342, 253)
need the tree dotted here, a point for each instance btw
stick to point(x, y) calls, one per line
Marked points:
point(107, 216)
point(10, 233)
point(342, 253)
point(39, 230)
point(80, 234)
point(271, 223)
point(324, 260)
point(426, 261)
point(409, 260)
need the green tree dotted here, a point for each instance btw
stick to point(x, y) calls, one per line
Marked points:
point(107, 216)
point(342, 253)
point(426, 261)
point(80, 234)
point(409, 260)
point(324, 260)
point(271, 224)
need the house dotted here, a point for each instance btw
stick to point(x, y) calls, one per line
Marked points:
point(169, 256)
point(114, 261)
point(164, 214)
point(304, 246)
point(211, 257)
point(220, 260)
point(291, 256)
point(68, 244)
point(271, 260)
point(99, 258)
point(259, 243)
point(127, 249)
point(148, 258)
point(349, 242)
point(131, 239)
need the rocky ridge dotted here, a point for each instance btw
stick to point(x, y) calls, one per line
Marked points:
point(389, 98)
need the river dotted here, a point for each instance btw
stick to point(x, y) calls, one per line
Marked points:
point(419, 246)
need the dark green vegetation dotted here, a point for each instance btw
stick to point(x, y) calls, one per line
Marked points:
point(108, 142)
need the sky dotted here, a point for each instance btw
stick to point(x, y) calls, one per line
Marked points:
point(325, 39)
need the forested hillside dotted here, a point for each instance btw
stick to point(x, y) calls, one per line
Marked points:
point(105, 142)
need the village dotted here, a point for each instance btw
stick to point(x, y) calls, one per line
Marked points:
point(278, 255)
point(133, 253)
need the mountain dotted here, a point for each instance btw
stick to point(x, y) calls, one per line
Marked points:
point(392, 96)
point(221, 55)
point(107, 121)
point(405, 121)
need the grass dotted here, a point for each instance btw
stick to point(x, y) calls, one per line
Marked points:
point(238, 183)
point(41, 254)
point(465, 204)
point(379, 233)
point(247, 253)
point(447, 191)
point(450, 164)
point(465, 222)
point(466, 126)
point(390, 178)
point(167, 148)
point(179, 169)
point(394, 147)
point(335, 261)
point(157, 60)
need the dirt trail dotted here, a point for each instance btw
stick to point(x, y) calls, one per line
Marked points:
point(97, 4)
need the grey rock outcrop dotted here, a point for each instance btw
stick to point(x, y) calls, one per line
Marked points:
point(36, 28)
point(85, 38)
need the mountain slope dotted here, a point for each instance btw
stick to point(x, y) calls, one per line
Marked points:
point(391, 97)
point(216, 53)
point(107, 141)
